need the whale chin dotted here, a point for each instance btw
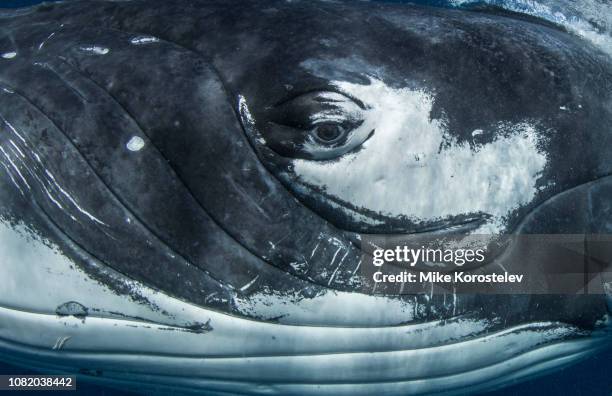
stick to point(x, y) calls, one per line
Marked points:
point(290, 360)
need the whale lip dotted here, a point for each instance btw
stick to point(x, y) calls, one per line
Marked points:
point(451, 227)
point(452, 230)
point(447, 229)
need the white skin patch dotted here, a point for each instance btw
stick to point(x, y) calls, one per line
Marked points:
point(136, 143)
point(9, 55)
point(140, 40)
point(403, 171)
point(96, 50)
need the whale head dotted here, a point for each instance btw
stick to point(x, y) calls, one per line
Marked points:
point(190, 194)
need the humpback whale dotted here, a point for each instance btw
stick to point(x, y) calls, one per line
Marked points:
point(190, 192)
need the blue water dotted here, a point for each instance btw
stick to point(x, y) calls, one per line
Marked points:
point(590, 377)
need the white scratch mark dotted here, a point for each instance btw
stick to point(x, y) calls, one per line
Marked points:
point(245, 287)
point(52, 198)
point(314, 250)
point(357, 267)
point(17, 148)
point(339, 264)
point(12, 128)
point(139, 40)
point(61, 341)
point(94, 49)
point(8, 171)
point(45, 41)
point(73, 201)
point(14, 167)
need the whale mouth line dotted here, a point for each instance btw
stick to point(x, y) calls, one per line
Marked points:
point(448, 229)
point(451, 226)
point(457, 229)
point(548, 344)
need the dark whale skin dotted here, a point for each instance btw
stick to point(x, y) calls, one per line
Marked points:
point(199, 212)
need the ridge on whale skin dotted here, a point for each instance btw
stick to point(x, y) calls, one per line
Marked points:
point(186, 191)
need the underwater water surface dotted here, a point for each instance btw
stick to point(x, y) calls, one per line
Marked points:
point(590, 377)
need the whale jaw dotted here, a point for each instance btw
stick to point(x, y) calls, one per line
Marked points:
point(172, 358)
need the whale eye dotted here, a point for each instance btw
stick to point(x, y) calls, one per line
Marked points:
point(318, 126)
point(328, 133)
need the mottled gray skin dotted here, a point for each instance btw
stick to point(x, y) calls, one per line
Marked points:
point(200, 211)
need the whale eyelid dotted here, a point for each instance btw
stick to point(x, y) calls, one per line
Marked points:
point(348, 124)
point(338, 115)
point(326, 90)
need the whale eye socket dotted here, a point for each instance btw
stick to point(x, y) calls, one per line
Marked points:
point(318, 125)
